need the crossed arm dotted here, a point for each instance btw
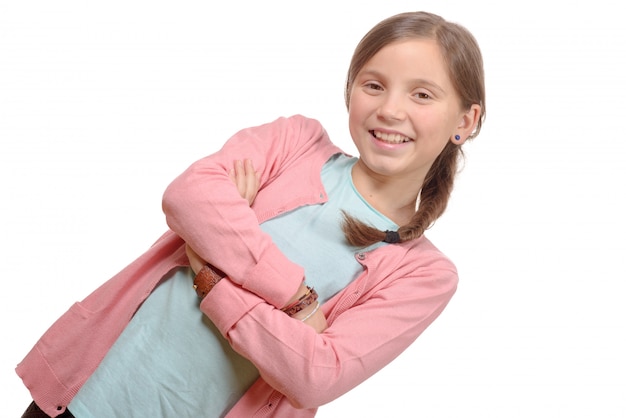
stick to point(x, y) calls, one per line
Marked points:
point(247, 181)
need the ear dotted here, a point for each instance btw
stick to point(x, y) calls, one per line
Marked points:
point(467, 124)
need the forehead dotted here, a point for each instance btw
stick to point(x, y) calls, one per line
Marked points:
point(410, 58)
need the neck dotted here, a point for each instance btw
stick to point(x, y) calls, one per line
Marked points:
point(396, 198)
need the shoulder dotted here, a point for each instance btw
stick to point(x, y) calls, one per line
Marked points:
point(422, 250)
point(292, 130)
point(302, 120)
point(418, 258)
point(305, 126)
point(304, 131)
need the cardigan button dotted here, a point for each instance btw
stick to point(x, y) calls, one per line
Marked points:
point(361, 256)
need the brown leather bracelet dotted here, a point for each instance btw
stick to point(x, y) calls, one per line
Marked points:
point(206, 279)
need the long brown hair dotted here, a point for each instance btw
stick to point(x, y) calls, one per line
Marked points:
point(465, 66)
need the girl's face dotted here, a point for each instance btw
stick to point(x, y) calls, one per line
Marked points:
point(403, 110)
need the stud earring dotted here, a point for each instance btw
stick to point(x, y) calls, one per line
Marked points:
point(457, 137)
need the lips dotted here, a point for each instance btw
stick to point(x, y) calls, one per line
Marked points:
point(390, 138)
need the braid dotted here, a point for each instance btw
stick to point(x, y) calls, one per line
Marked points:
point(435, 193)
point(434, 198)
point(359, 234)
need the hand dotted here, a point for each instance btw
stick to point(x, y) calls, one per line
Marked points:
point(246, 179)
point(317, 321)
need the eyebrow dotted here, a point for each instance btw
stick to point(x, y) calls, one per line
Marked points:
point(421, 81)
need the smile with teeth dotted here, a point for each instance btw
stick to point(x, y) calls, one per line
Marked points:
point(390, 138)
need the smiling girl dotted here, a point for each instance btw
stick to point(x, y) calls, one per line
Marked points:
point(310, 266)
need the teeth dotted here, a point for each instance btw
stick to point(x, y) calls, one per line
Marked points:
point(391, 138)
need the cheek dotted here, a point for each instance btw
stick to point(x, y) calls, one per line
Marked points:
point(355, 113)
point(440, 123)
point(353, 127)
point(354, 107)
point(360, 103)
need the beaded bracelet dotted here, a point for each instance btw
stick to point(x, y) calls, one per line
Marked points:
point(291, 305)
point(305, 300)
point(311, 313)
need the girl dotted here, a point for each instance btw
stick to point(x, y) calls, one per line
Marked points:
point(311, 268)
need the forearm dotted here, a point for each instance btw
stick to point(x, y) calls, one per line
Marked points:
point(310, 368)
point(303, 306)
point(228, 235)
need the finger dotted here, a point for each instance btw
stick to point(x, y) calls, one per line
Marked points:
point(252, 181)
point(240, 177)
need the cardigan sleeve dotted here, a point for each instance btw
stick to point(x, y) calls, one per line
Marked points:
point(204, 208)
point(368, 328)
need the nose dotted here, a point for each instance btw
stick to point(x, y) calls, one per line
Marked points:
point(391, 108)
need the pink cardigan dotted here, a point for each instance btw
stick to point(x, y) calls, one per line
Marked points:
point(402, 289)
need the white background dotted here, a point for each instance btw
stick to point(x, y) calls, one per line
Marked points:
point(103, 103)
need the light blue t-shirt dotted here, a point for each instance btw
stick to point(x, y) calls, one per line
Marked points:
point(171, 361)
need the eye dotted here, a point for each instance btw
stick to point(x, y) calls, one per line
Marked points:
point(423, 96)
point(371, 85)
